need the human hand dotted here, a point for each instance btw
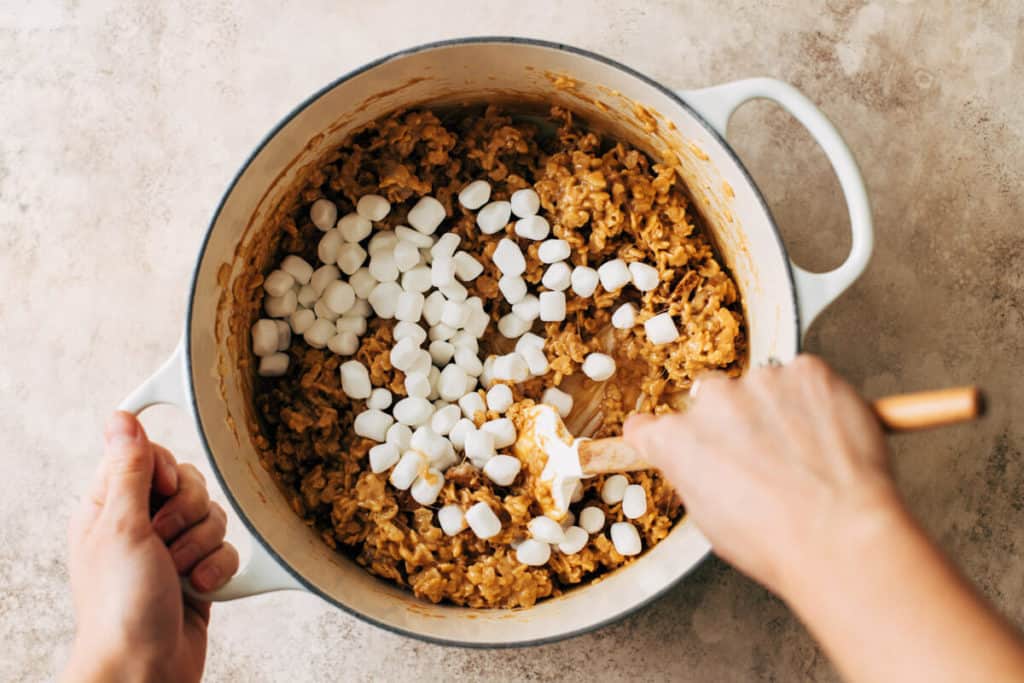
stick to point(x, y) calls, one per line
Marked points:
point(781, 467)
point(133, 621)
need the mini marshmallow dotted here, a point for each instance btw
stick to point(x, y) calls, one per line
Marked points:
point(575, 540)
point(487, 376)
point(319, 333)
point(483, 521)
point(634, 501)
point(409, 307)
point(400, 435)
point(433, 308)
point(406, 234)
point(534, 228)
point(472, 404)
point(406, 256)
point(557, 277)
point(624, 317)
point(558, 399)
point(553, 251)
point(430, 443)
point(407, 469)
point(372, 424)
point(324, 214)
point(467, 268)
point(351, 257)
point(529, 339)
point(442, 271)
point(503, 431)
point(384, 299)
point(362, 282)
point(273, 365)
point(502, 469)
point(383, 457)
point(323, 311)
point(264, 337)
point(546, 530)
point(434, 375)
point(457, 435)
point(339, 297)
point(475, 194)
point(284, 335)
point(661, 329)
point(421, 362)
point(512, 326)
point(524, 202)
point(645, 277)
point(405, 330)
point(584, 280)
point(452, 519)
point(478, 322)
point(307, 296)
point(511, 367)
point(355, 380)
point(591, 519)
point(403, 354)
point(552, 306)
point(508, 257)
point(441, 331)
point(444, 419)
point(613, 489)
point(598, 366)
point(533, 553)
point(417, 384)
point(614, 275)
point(301, 320)
point(535, 360)
point(479, 447)
point(278, 282)
point(298, 268)
point(528, 308)
point(426, 215)
point(427, 487)
point(493, 217)
point(455, 314)
point(441, 352)
point(446, 245)
point(380, 399)
point(373, 206)
point(455, 291)
point(343, 343)
point(360, 308)
point(281, 306)
point(626, 539)
point(513, 288)
point(499, 398)
point(327, 249)
point(383, 267)
point(417, 279)
point(383, 241)
point(413, 411)
point(354, 228)
point(356, 324)
point(452, 383)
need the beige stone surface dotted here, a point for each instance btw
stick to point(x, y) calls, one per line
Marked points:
point(122, 122)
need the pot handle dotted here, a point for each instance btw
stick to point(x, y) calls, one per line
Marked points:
point(814, 291)
point(261, 572)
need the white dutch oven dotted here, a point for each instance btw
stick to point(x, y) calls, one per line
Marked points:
point(780, 302)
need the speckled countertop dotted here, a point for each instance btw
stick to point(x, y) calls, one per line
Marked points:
point(122, 123)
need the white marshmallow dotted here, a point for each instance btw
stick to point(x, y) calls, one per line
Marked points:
point(383, 457)
point(362, 282)
point(472, 404)
point(343, 343)
point(323, 276)
point(467, 268)
point(482, 520)
point(535, 360)
point(355, 380)
point(413, 411)
point(327, 249)
point(307, 296)
point(417, 384)
point(445, 419)
point(475, 194)
point(403, 354)
point(351, 257)
point(558, 399)
point(407, 470)
point(433, 308)
point(511, 367)
point(417, 279)
point(372, 424)
point(441, 352)
point(452, 383)
point(298, 268)
point(645, 277)
point(584, 280)
point(624, 317)
point(442, 271)
point(323, 213)
point(479, 447)
point(356, 324)
point(426, 215)
point(508, 257)
point(513, 288)
point(384, 299)
point(360, 308)
point(452, 519)
point(281, 306)
point(634, 501)
point(406, 256)
point(478, 322)
point(323, 311)
point(455, 314)
point(264, 337)
point(373, 206)
point(557, 277)
point(383, 241)
point(626, 539)
point(434, 374)
point(301, 320)
point(441, 331)
point(661, 329)
point(380, 399)
point(383, 267)
point(598, 366)
point(546, 530)
point(613, 489)
point(502, 469)
point(427, 487)
point(534, 228)
point(614, 275)
point(553, 251)
point(502, 430)
point(592, 519)
point(575, 540)
point(460, 431)
point(524, 202)
point(404, 330)
point(400, 435)
point(421, 363)
point(273, 365)
point(409, 307)
point(339, 297)
point(354, 228)
point(528, 308)
point(430, 443)
point(512, 326)
point(319, 333)
point(278, 282)
point(454, 291)
point(493, 217)
point(552, 306)
point(406, 234)
point(499, 398)
point(533, 553)
point(529, 339)
point(284, 335)
point(445, 245)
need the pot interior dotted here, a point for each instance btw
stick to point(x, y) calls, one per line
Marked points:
point(606, 95)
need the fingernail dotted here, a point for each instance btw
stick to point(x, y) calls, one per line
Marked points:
point(170, 473)
point(122, 428)
point(207, 577)
point(185, 555)
point(168, 526)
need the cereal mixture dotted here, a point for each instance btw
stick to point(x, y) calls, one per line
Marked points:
point(607, 200)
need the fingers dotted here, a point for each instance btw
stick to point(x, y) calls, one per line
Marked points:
point(129, 461)
point(659, 437)
point(188, 506)
point(200, 540)
point(215, 569)
point(165, 477)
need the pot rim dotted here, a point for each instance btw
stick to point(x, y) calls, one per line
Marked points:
point(254, 533)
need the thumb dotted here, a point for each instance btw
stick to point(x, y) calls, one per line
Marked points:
point(129, 467)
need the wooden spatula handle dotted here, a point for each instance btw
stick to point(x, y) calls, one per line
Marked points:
point(924, 409)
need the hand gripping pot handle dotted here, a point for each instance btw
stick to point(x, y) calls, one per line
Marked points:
point(814, 291)
point(261, 573)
